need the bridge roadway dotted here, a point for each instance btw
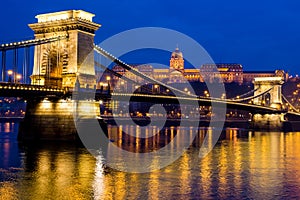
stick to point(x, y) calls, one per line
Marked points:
point(27, 91)
point(202, 101)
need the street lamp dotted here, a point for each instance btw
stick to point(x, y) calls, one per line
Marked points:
point(108, 83)
point(10, 73)
point(156, 88)
point(19, 77)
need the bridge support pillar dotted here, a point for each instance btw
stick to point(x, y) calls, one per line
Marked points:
point(272, 98)
point(268, 121)
point(53, 119)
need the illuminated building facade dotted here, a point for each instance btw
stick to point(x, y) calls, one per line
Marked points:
point(248, 76)
point(222, 72)
point(176, 61)
point(176, 73)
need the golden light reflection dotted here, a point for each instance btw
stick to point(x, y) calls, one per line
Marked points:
point(237, 163)
point(44, 176)
point(206, 175)
point(223, 169)
point(120, 135)
point(154, 185)
point(264, 150)
point(98, 185)
point(231, 134)
point(137, 137)
point(45, 104)
point(7, 127)
point(185, 174)
point(261, 162)
point(59, 175)
point(8, 191)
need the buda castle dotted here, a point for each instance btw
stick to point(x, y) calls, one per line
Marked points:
point(177, 73)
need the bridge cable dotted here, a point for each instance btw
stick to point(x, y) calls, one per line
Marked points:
point(252, 97)
point(24, 65)
point(121, 76)
point(3, 65)
point(38, 64)
point(28, 65)
point(245, 94)
point(15, 64)
point(48, 66)
point(291, 105)
point(32, 42)
point(58, 68)
point(136, 72)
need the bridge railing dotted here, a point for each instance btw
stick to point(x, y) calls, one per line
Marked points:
point(20, 86)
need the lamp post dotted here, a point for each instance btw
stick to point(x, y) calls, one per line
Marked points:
point(108, 83)
point(18, 77)
point(156, 88)
point(10, 73)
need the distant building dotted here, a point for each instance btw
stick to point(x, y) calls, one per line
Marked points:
point(176, 61)
point(222, 72)
point(248, 76)
point(176, 73)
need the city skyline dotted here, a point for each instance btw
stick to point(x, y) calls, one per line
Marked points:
point(263, 37)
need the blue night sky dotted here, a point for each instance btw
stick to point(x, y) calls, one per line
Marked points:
point(261, 35)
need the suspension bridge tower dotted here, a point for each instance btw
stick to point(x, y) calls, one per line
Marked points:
point(61, 62)
point(269, 89)
point(65, 61)
point(272, 87)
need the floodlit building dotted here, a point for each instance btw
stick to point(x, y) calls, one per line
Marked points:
point(177, 73)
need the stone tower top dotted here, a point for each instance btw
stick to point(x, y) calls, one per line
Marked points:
point(64, 21)
point(61, 62)
point(63, 15)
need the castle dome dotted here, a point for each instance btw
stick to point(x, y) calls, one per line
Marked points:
point(177, 53)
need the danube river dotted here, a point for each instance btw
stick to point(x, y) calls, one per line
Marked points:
point(242, 165)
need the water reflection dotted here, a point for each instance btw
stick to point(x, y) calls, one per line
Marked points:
point(243, 164)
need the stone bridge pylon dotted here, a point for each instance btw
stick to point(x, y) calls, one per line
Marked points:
point(273, 97)
point(60, 62)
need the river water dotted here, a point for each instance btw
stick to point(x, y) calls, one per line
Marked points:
point(242, 165)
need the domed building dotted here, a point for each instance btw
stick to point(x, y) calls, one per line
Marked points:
point(176, 61)
point(176, 73)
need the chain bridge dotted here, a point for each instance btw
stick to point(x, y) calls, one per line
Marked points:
point(63, 65)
